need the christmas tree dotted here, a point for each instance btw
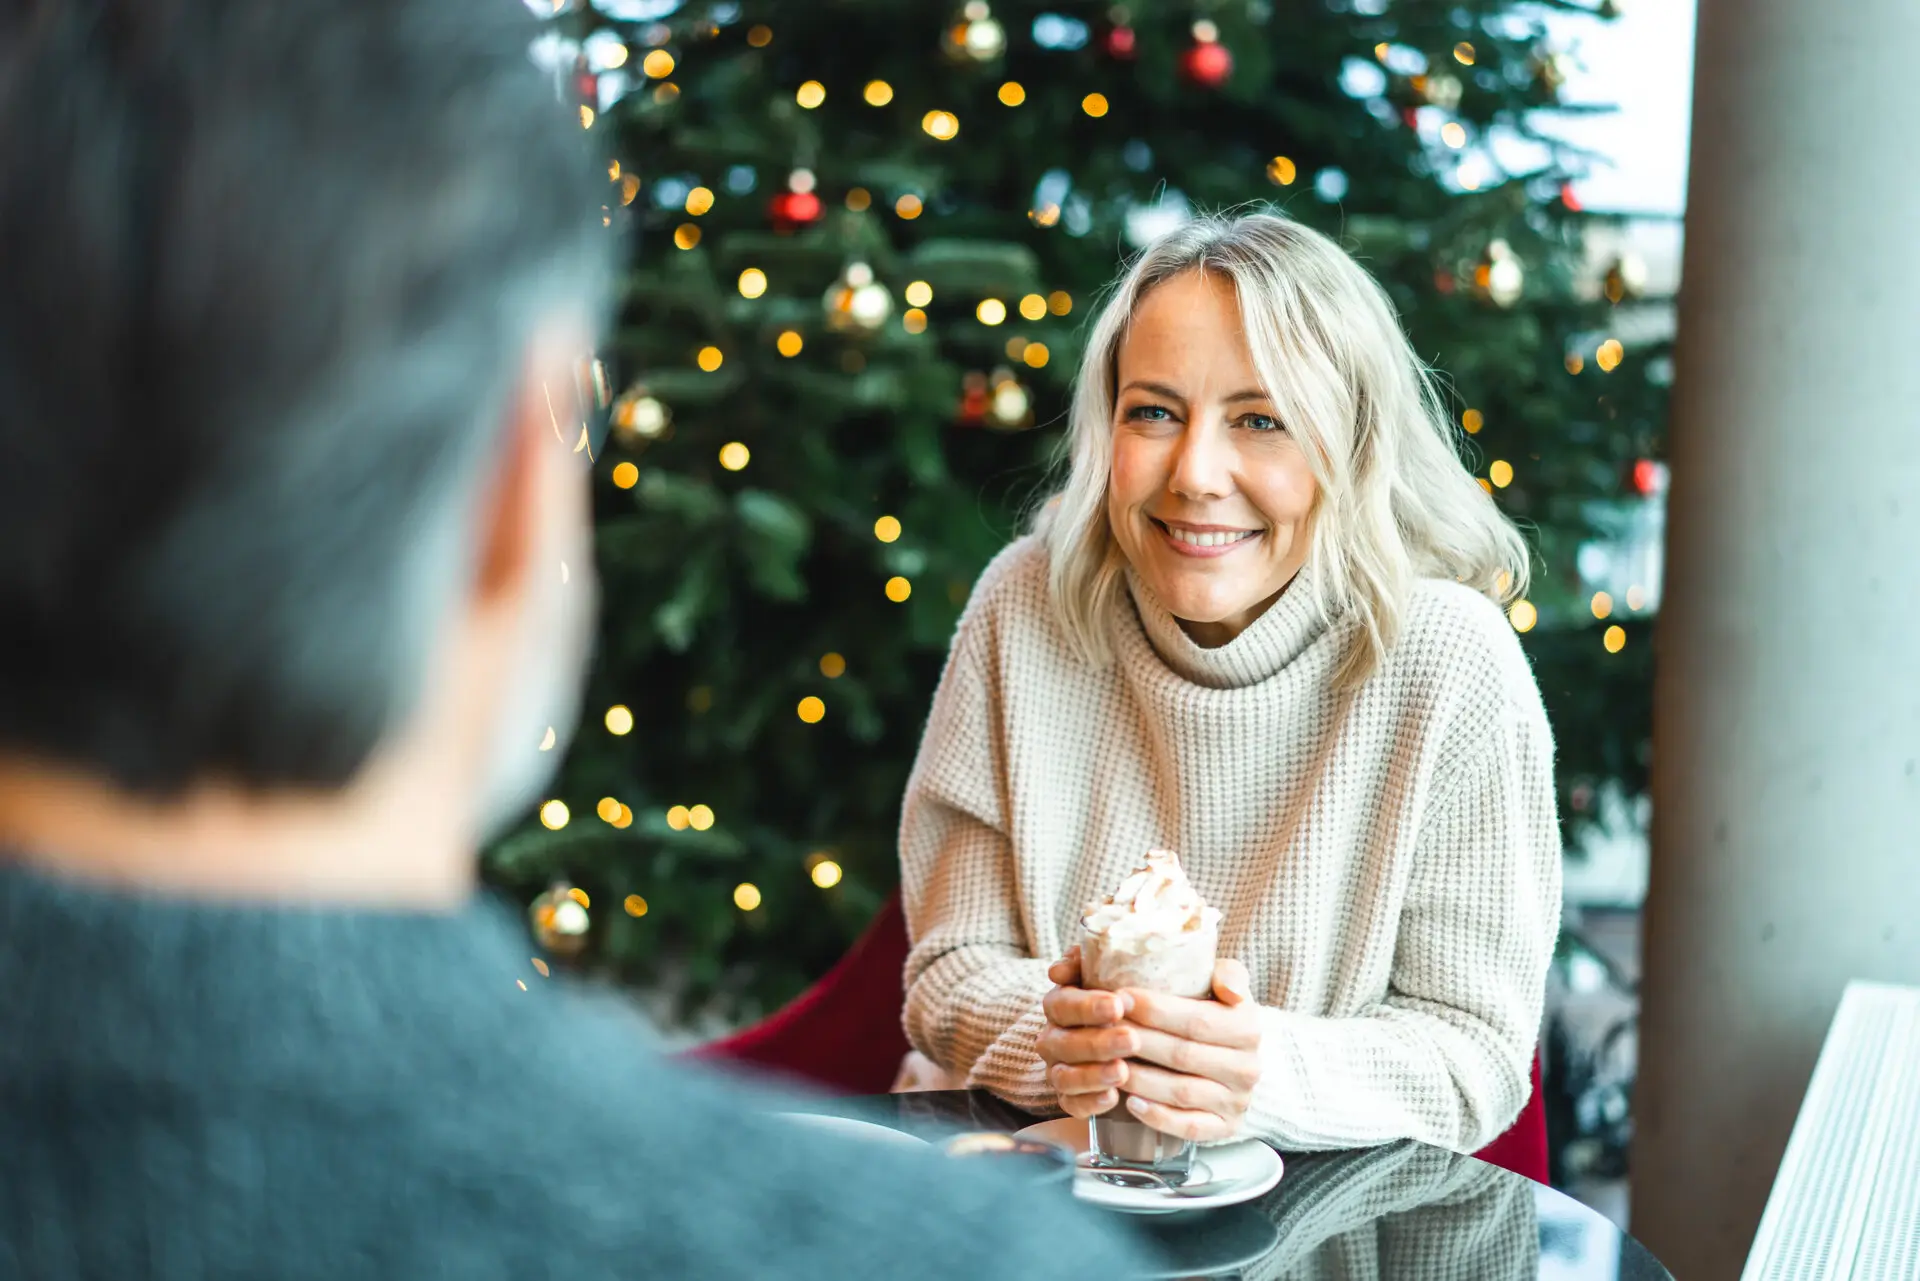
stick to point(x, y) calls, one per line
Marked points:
point(866, 236)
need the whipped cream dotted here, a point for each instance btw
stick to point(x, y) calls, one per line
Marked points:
point(1154, 908)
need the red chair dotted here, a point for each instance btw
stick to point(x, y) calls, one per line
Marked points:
point(843, 1034)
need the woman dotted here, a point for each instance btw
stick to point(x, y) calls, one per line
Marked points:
point(1258, 625)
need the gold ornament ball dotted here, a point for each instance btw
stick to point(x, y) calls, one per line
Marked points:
point(1627, 278)
point(639, 418)
point(857, 303)
point(559, 920)
point(974, 35)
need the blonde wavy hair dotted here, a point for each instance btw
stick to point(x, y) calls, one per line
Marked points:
point(1396, 503)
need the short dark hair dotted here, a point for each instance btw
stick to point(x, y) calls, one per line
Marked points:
point(272, 269)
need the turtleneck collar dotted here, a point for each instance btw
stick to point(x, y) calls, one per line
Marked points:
point(1270, 642)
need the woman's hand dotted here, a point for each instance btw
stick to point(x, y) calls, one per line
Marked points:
point(1085, 1043)
point(1196, 1061)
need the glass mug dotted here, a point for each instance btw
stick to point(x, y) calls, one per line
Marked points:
point(1116, 1141)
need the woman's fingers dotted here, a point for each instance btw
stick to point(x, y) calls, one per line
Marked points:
point(1087, 1078)
point(1087, 1044)
point(1183, 1092)
point(1236, 1069)
point(1182, 1123)
point(1078, 1007)
point(1236, 1026)
point(1086, 1105)
point(1066, 970)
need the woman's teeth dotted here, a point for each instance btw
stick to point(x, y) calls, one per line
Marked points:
point(1193, 539)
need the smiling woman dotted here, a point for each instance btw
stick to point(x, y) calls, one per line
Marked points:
point(1259, 624)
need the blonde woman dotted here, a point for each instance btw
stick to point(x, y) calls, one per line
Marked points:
point(1259, 625)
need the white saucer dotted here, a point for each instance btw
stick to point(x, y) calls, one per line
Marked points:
point(864, 1131)
point(1250, 1165)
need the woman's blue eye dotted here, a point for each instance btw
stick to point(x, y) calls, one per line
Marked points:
point(1261, 422)
point(1149, 413)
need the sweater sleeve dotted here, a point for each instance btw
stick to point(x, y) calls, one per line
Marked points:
point(973, 984)
point(1445, 1057)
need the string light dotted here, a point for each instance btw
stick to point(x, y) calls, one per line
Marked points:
point(886, 529)
point(658, 65)
point(608, 809)
point(760, 36)
point(914, 321)
point(700, 818)
point(554, 815)
point(686, 236)
point(859, 199)
point(1016, 347)
point(832, 666)
point(710, 358)
point(1500, 473)
point(625, 820)
point(1574, 363)
point(826, 873)
point(679, 819)
point(1522, 615)
point(1094, 104)
point(1035, 355)
point(1454, 134)
point(1463, 54)
point(625, 475)
point(1059, 302)
point(898, 589)
point(789, 342)
point(1281, 171)
point(699, 200)
point(1012, 93)
point(619, 719)
point(586, 116)
point(1636, 598)
point(811, 709)
point(753, 283)
point(991, 311)
point(811, 94)
point(629, 188)
point(636, 906)
point(1615, 639)
point(908, 206)
point(1502, 582)
point(666, 91)
point(1473, 421)
point(918, 294)
point(878, 93)
point(943, 126)
point(1033, 307)
point(1609, 355)
point(1602, 604)
point(746, 896)
point(735, 456)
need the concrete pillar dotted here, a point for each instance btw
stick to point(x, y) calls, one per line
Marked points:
point(1786, 842)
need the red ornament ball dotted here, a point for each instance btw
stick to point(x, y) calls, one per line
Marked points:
point(793, 209)
point(1120, 42)
point(1207, 64)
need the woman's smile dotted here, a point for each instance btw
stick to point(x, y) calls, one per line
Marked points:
point(1203, 541)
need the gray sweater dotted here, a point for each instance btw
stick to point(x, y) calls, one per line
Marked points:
point(189, 1091)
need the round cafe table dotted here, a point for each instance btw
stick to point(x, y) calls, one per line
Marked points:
point(1405, 1210)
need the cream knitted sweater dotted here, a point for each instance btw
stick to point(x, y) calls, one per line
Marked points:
point(1387, 861)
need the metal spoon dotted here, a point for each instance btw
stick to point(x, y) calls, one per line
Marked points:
point(1147, 1180)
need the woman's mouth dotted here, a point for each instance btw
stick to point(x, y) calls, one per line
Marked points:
point(1203, 540)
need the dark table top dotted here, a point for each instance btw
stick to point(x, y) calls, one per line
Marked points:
point(1405, 1210)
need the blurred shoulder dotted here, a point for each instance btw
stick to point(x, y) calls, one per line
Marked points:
point(1011, 602)
point(1456, 641)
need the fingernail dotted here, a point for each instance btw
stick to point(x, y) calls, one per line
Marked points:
point(1126, 1004)
point(1136, 1105)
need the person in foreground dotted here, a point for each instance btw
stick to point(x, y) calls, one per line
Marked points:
point(295, 578)
point(1258, 625)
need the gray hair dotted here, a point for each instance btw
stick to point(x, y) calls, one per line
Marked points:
point(1395, 504)
point(275, 271)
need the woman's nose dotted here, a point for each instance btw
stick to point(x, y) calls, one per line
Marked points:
point(1203, 464)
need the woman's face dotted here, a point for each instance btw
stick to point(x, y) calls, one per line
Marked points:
point(1211, 497)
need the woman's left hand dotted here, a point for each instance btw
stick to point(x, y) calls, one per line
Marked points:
point(1198, 1060)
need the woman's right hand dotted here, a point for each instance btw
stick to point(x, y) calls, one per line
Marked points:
point(1085, 1045)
